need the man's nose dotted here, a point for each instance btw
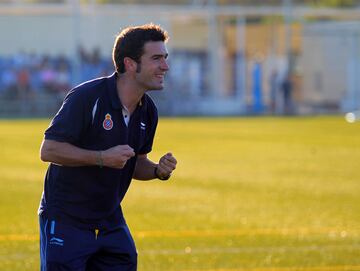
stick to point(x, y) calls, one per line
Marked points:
point(165, 65)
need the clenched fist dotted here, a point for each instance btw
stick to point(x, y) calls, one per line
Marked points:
point(116, 157)
point(166, 166)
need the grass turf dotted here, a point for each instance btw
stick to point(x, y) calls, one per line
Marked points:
point(248, 194)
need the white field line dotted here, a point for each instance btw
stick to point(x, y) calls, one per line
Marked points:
point(243, 250)
point(19, 237)
point(331, 232)
point(233, 250)
point(309, 268)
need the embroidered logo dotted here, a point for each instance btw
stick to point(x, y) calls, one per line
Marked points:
point(142, 126)
point(108, 123)
point(56, 241)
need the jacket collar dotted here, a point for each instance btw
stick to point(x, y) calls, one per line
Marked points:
point(115, 100)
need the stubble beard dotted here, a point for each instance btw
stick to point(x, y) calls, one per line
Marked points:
point(148, 86)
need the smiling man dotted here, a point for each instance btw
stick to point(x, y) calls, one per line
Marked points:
point(96, 144)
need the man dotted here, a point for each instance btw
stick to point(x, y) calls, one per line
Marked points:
point(96, 143)
point(287, 87)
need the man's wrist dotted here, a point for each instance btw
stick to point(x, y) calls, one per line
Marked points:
point(160, 177)
point(99, 159)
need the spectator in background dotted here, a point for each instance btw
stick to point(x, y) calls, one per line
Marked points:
point(47, 75)
point(35, 73)
point(8, 83)
point(62, 80)
point(91, 65)
point(257, 91)
point(23, 83)
point(274, 88)
point(287, 87)
point(26, 75)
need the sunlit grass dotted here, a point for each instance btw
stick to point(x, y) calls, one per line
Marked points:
point(251, 193)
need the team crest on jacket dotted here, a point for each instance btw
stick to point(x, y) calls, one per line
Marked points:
point(108, 123)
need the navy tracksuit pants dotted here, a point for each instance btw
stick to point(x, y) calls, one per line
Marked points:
point(64, 247)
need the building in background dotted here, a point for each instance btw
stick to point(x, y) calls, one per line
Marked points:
point(331, 61)
point(227, 57)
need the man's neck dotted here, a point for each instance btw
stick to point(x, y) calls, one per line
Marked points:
point(128, 92)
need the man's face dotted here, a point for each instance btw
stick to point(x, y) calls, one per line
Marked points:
point(153, 66)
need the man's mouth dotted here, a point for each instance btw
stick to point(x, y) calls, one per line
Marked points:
point(160, 76)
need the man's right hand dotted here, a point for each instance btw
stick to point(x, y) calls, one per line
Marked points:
point(116, 157)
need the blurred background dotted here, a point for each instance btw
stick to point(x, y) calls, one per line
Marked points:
point(249, 193)
point(227, 57)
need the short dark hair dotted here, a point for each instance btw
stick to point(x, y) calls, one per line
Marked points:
point(131, 40)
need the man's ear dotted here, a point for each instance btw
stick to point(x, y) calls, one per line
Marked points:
point(130, 64)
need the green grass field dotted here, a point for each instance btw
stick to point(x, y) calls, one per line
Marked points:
point(248, 194)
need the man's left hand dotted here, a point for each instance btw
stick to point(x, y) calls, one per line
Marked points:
point(166, 166)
